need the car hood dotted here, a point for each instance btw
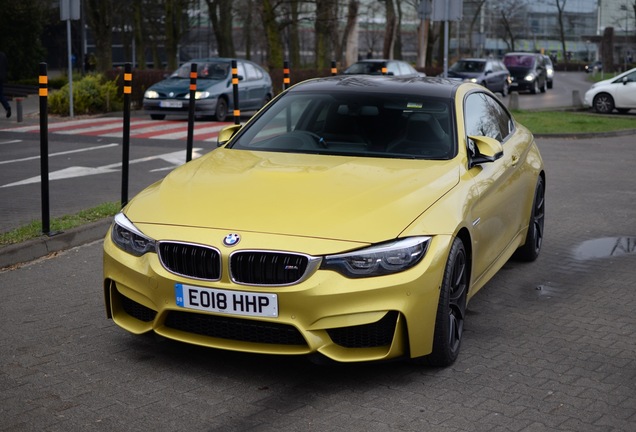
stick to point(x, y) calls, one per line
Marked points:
point(329, 197)
point(182, 85)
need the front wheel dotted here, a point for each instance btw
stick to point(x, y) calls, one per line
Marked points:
point(603, 103)
point(449, 324)
point(534, 239)
point(505, 90)
point(221, 110)
point(535, 87)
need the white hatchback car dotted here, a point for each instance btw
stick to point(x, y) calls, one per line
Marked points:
point(617, 93)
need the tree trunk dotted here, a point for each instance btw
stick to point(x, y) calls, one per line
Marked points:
point(350, 35)
point(221, 18)
point(99, 15)
point(273, 34)
point(138, 29)
point(560, 6)
point(294, 37)
point(389, 30)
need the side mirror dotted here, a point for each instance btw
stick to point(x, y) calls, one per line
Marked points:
point(483, 149)
point(226, 134)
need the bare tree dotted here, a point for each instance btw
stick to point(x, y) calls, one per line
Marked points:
point(99, 16)
point(272, 33)
point(350, 34)
point(390, 29)
point(560, 5)
point(220, 12)
point(511, 19)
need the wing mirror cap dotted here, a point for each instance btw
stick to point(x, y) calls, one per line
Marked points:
point(483, 149)
point(226, 134)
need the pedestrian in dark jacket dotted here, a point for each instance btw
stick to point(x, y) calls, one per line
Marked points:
point(3, 77)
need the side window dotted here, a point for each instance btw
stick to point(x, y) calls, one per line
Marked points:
point(241, 70)
point(252, 72)
point(392, 67)
point(483, 116)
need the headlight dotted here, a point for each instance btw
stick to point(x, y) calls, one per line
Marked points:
point(199, 95)
point(378, 260)
point(127, 237)
point(529, 77)
point(151, 94)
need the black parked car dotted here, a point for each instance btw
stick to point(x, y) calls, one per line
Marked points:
point(528, 71)
point(491, 73)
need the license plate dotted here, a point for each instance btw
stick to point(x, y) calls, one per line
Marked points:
point(227, 302)
point(170, 104)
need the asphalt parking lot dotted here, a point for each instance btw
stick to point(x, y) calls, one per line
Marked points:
point(549, 346)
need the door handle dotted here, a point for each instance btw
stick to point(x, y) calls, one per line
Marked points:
point(515, 159)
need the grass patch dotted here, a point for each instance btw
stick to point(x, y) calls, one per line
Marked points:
point(63, 223)
point(550, 122)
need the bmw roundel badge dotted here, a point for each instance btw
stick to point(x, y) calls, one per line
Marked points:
point(231, 239)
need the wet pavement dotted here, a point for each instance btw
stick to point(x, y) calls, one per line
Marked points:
point(549, 346)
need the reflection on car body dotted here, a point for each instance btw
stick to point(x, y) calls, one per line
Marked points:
point(352, 218)
point(214, 94)
point(528, 72)
point(491, 73)
point(383, 66)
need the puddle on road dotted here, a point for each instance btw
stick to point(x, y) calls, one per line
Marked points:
point(605, 247)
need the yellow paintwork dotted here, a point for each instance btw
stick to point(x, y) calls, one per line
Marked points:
point(320, 205)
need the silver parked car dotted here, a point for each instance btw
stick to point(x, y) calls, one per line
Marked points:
point(214, 94)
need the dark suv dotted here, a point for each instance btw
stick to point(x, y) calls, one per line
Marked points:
point(528, 71)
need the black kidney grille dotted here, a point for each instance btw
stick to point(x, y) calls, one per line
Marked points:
point(235, 328)
point(191, 260)
point(366, 336)
point(267, 268)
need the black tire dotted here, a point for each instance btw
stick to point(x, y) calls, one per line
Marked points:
point(266, 100)
point(157, 116)
point(451, 310)
point(550, 84)
point(534, 239)
point(535, 87)
point(505, 90)
point(603, 103)
point(221, 111)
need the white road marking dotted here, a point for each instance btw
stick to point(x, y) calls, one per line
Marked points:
point(174, 158)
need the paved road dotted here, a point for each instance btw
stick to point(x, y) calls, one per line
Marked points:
point(549, 346)
point(560, 96)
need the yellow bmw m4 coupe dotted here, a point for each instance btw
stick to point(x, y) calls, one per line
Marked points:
point(352, 218)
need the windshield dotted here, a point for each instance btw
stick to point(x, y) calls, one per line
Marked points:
point(209, 70)
point(468, 66)
point(525, 61)
point(354, 124)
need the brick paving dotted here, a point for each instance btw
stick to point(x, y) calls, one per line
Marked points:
point(549, 346)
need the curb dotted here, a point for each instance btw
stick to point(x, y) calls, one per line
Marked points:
point(20, 253)
point(619, 133)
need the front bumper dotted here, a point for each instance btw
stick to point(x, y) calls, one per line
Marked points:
point(202, 107)
point(346, 320)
